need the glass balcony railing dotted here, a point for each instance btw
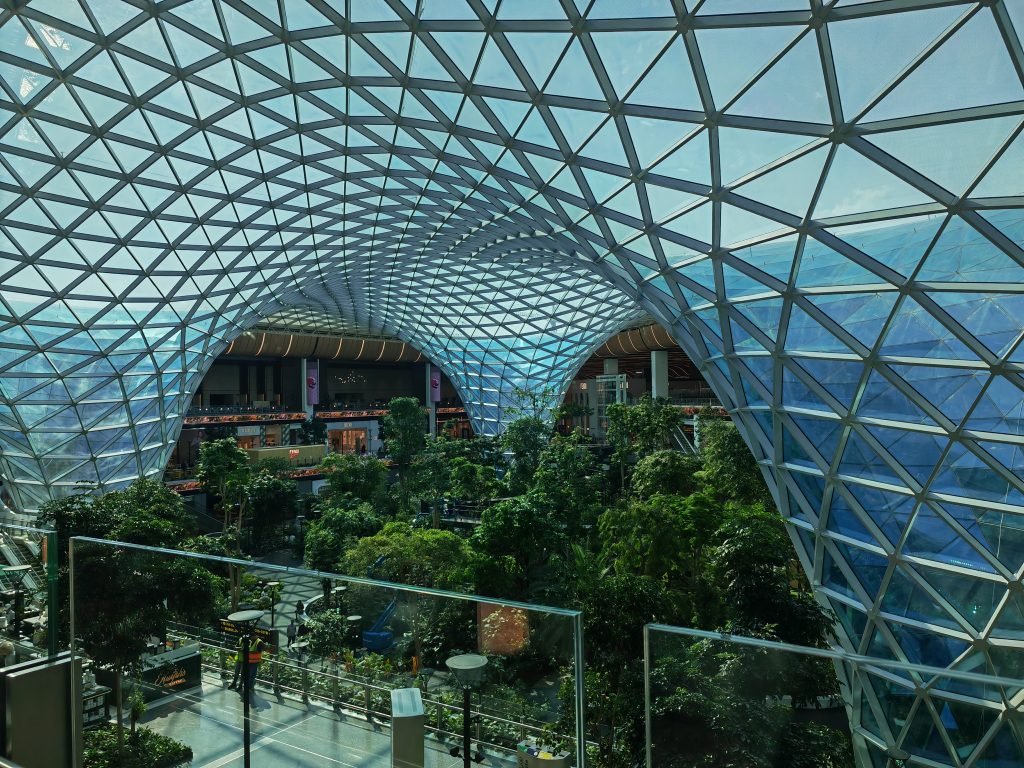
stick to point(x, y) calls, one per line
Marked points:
point(29, 605)
point(153, 622)
point(725, 700)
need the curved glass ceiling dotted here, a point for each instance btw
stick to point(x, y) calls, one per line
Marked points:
point(822, 199)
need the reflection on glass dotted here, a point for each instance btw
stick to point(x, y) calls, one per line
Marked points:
point(29, 625)
point(718, 700)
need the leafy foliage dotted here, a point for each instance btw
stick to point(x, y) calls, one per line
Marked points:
point(641, 429)
point(222, 467)
point(525, 438)
point(313, 431)
point(568, 481)
point(337, 529)
point(729, 467)
point(327, 632)
point(423, 558)
point(665, 472)
point(404, 429)
point(144, 749)
point(516, 539)
point(352, 479)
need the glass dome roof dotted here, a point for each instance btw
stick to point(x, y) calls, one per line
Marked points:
point(822, 199)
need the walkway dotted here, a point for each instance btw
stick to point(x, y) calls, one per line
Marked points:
point(285, 733)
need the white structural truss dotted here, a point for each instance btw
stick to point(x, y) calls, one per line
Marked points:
point(823, 199)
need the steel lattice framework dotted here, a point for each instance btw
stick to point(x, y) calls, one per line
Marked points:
point(822, 199)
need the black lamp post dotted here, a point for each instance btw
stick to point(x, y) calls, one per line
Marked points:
point(18, 572)
point(246, 620)
point(468, 669)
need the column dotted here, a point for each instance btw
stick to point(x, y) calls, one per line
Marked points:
point(304, 388)
point(659, 373)
point(429, 398)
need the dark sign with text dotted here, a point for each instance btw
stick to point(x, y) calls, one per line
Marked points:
point(266, 635)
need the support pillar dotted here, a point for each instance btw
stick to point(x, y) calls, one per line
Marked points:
point(659, 374)
point(429, 399)
point(304, 388)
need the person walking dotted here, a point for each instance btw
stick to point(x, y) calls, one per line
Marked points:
point(292, 631)
point(300, 610)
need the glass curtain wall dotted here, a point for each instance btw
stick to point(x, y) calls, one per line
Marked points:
point(331, 650)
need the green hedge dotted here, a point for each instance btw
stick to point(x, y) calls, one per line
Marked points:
point(143, 749)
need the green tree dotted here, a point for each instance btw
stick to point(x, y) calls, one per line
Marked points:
point(641, 429)
point(568, 480)
point(754, 571)
point(416, 556)
point(471, 481)
point(404, 431)
point(669, 539)
point(313, 431)
point(729, 467)
point(224, 471)
point(665, 472)
point(525, 438)
point(269, 498)
point(517, 540)
point(335, 531)
point(352, 479)
point(615, 609)
point(328, 630)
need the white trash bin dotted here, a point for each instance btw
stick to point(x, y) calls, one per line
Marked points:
point(407, 728)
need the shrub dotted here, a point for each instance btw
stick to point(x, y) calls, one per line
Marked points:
point(142, 749)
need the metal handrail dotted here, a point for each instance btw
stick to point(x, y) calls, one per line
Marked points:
point(269, 676)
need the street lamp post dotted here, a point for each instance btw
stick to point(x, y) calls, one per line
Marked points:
point(246, 620)
point(468, 669)
point(19, 572)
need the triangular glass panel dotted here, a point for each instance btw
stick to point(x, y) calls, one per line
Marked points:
point(538, 52)
point(993, 318)
point(731, 57)
point(854, 184)
point(869, 52)
point(690, 162)
point(792, 89)
point(881, 400)
point(962, 254)
point(899, 246)
point(790, 187)
point(574, 76)
point(952, 155)
point(1004, 178)
point(669, 83)
point(914, 332)
point(970, 69)
point(626, 55)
